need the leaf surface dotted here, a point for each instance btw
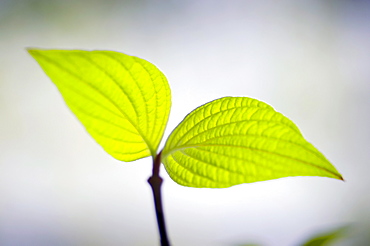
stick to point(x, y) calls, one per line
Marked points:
point(235, 140)
point(123, 101)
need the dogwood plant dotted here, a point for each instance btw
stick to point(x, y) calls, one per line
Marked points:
point(124, 104)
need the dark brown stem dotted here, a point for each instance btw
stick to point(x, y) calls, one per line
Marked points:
point(155, 182)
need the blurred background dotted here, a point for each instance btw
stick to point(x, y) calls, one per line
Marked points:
point(307, 58)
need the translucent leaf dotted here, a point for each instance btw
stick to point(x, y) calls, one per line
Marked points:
point(123, 101)
point(235, 140)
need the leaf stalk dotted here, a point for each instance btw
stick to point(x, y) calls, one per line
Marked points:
point(155, 182)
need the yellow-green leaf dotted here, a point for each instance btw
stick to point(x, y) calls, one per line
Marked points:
point(235, 140)
point(123, 101)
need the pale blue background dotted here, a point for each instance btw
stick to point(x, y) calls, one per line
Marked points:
point(308, 58)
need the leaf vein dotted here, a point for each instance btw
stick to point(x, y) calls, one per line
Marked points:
point(134, 79)
point(110, 76)
point(236, 158)
point(221, 112)
point(191, 171)
point(211, 164)
point(273, 153)
point(137, 60)
point(278, 139)
point(97, 90)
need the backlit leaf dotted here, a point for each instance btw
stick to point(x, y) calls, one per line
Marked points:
point(235, 140)
point(123, 101)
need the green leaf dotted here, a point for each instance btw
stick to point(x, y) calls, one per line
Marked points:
point(327, 238)
point(235, 140)
point(123, 101)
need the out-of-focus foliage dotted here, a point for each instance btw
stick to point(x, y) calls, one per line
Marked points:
point(326, 238)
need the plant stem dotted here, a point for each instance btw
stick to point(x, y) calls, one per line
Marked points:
point(155, 182)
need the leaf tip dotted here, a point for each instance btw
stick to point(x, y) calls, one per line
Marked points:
point(32, 51)
point(339, 177)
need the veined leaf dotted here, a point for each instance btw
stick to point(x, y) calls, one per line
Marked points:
point(123, 101)
point(235, 140)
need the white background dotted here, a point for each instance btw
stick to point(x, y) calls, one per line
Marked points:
point(308, 59)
